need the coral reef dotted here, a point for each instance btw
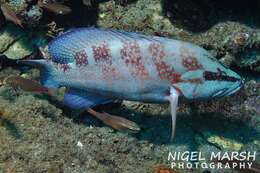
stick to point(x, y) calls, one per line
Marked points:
point(39, 134)
point(32, 16)
point(231, 41)
point(16, 44)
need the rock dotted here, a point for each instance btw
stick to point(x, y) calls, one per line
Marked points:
point(224, 143)
point(18, 5)
point(237, 42)
point(243, 50)
point(8, 35)
point(20, 49)
point(17, 44)
point(228, 59)
point(250, 60)
point(32, 16)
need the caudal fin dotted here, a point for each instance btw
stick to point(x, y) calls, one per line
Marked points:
point(48, 72)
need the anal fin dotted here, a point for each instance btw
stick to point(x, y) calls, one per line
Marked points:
point(81, 100)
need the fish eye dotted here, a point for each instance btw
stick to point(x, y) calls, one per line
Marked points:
point(219, 76)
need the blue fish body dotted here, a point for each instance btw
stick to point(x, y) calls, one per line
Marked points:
point(99, 66)
point(131, 66)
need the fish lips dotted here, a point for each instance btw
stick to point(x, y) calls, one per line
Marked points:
point(229, 91)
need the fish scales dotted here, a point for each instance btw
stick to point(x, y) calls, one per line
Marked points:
point(106, 56)
point(114, 58)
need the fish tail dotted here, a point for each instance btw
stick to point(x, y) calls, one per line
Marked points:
point(48, 72)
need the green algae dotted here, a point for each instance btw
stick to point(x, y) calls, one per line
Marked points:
point(225, 144)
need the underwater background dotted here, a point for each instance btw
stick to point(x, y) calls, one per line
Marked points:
point(39, 134)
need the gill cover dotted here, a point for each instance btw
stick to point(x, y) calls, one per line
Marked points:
point(208, 83)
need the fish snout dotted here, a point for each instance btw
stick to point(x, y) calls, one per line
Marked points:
point(229, 91)
point(235, 88)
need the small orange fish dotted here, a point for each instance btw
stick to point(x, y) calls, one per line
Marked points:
point(3, 117)
point(10, 15)
point(26, 85)
point(163, 169)
point(56, 8)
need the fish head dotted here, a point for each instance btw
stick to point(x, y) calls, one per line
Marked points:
point(214, 80)
point(222, 82)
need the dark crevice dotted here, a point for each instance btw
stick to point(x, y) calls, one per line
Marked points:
point(200, 15)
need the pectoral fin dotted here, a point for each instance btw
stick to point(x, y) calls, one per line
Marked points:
point(77, 99)
point(173, 99)
point(83, 100)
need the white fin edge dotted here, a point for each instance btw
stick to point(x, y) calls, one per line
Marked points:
point(173, 99)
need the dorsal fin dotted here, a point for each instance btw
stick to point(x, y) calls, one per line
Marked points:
point(63, 48)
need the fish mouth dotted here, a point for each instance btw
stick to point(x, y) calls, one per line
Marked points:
point(229, 91)
point(236, 87)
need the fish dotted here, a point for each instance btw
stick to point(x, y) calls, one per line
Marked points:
point(10, 15)
point(102, 65)
point(26, 84)
point(56, 8)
